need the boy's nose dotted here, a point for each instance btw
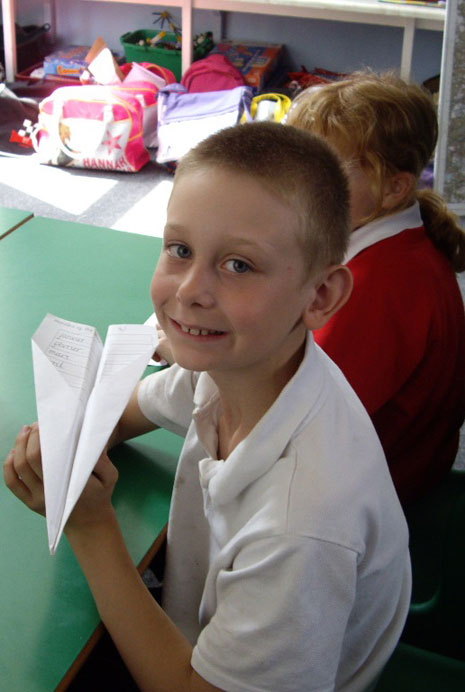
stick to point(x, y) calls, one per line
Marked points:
point(196, 288)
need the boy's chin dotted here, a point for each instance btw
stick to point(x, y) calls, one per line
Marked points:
point(189, 363)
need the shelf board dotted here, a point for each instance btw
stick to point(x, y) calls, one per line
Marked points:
point(361, 11)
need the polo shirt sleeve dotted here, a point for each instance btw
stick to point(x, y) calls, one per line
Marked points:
point(280, 617)
point(167, 398)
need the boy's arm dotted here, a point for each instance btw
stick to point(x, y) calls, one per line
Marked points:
point(154, 649)
point(132, 423)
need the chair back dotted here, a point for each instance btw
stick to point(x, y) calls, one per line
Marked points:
point(436, 619)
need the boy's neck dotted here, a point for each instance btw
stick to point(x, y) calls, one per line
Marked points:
point(246, 397)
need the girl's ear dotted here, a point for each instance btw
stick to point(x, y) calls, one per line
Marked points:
point(331, 290)
point(398, 188)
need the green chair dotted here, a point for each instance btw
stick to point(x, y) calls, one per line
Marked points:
point(416, 670)
point(436, 619)
point(431, 654)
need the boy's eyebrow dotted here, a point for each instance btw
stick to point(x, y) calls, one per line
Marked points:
point(243, 240)
point(238, 240)
point(173, 227)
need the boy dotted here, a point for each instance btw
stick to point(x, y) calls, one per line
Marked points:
point(287, 564)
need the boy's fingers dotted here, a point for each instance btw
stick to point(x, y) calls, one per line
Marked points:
point(33, 454)
point(9, 473)
point(14, 482)
point(19, 457)
point(22, 437)
point(28, 477)
point(26, 459)
point(22, 469)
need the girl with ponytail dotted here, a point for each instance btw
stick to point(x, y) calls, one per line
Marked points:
point(400, 339)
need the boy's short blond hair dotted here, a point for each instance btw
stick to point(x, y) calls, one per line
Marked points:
point(295, 166)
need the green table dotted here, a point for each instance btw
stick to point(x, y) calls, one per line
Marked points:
point(11, 219)
point(99, 277)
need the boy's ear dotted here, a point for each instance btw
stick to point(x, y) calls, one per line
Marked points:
point(331, 291)
point(398, 188)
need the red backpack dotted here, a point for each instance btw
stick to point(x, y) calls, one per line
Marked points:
point(213, 73)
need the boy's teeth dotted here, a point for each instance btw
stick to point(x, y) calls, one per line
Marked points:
point(196, 332)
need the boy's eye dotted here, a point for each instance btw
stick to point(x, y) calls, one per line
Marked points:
point(237, 266)
point(179, 250)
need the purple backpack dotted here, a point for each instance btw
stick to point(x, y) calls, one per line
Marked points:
point(213, 73)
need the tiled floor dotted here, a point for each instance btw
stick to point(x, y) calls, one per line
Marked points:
point(148, 215)
point(133, 202)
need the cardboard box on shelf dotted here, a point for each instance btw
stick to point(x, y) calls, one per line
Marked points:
point(36, 73)
point(73, 61)
point(66, 62)
point(256, 61)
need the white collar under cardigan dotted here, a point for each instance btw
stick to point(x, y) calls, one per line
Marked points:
point(381, 228)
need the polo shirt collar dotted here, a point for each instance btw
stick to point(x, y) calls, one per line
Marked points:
point(264, 445)
point(384, 227)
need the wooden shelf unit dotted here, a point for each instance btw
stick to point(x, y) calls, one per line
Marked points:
point(408, 17)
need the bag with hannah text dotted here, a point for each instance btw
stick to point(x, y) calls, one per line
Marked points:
point(94, 126)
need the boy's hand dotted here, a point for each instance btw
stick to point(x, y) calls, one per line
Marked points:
point(23, 476)
point(23, 469)
point(94, 505)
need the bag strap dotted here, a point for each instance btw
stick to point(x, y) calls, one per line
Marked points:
point(55, 131)
point(246, 101)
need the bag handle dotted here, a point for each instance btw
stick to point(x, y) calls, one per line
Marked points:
point(246, 102)
point(281, 101)
point(60, 144)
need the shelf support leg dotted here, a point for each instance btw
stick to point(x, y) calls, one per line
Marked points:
point(50, 17)
point(187, 36)
point(9, 39)
point(407, 49)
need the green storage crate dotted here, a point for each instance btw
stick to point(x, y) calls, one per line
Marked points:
point(166, 57)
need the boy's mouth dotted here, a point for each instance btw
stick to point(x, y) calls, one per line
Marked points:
point(197, 331)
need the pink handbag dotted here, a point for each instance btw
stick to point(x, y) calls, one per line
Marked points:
point(94, 126)
point(213, 73)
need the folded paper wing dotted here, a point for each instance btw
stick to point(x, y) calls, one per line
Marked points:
point(82, 389)
point(65, 360)
point(60, 413)
point(127, 351)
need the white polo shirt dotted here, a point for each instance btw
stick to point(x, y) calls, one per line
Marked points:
point(288, 565)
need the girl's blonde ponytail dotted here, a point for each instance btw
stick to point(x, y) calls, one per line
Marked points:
point(442, 227)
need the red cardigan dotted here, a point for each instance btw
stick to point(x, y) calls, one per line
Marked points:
point(400, 341)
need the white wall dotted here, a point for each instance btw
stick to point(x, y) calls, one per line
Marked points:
point(341, 46)
point(314, 43)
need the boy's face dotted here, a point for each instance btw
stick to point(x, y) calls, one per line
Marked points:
point(230, 287)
